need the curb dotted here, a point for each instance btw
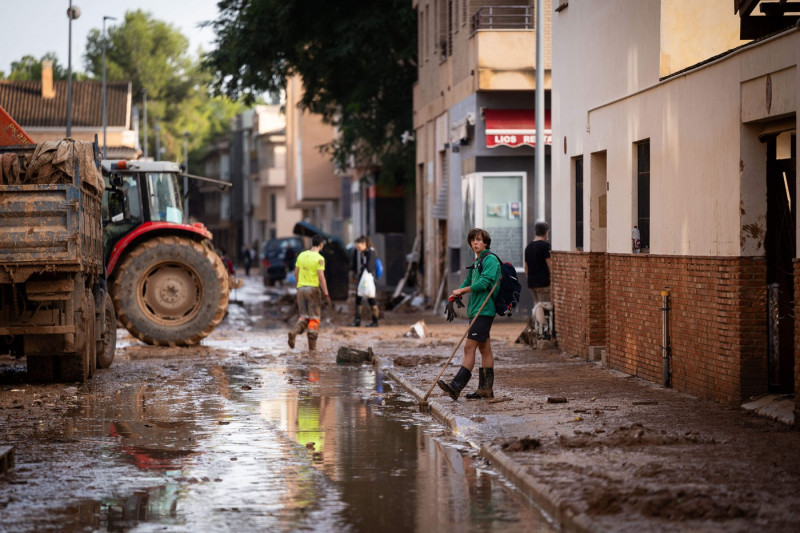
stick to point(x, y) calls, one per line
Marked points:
point(563, 516)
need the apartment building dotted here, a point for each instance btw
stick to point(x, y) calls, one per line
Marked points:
point(474, 126)
point(673, 190)
point(312, 184)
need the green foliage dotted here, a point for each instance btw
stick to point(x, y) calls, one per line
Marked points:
point(153, 56)
point(29, 68)
point(357, 61)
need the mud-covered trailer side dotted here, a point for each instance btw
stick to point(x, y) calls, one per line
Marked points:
point(51, 272)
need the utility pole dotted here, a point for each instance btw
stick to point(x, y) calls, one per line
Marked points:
point(185, 179)
point(73, 12)
point(539, 189)
point(158, 140)
point(144, 106)
point(105, 41)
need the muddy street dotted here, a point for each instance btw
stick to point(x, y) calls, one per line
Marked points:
point(241, 434)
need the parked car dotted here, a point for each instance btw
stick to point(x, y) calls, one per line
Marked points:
point(278, 257)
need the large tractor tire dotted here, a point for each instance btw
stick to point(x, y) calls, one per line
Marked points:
point(107, 342)
point(79, 366)
point(170, 291)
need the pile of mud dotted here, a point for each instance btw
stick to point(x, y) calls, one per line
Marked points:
point(52, 163)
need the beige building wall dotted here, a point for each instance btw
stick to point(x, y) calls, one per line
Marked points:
point(616, 100)
point(310, 175)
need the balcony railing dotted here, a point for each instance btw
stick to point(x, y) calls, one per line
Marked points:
point(503, 18)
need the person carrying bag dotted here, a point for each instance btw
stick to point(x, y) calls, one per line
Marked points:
point(364, 266)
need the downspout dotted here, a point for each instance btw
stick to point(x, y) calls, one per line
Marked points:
point(665, 348)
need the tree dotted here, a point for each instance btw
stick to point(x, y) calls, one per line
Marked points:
point(29, 68)
point(357, 61)
point(153, 55)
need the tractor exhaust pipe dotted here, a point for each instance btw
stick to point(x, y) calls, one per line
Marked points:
point(665, 348)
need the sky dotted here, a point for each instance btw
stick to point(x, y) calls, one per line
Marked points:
point(35, 27)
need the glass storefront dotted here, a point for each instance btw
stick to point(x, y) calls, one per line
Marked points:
point(495, 202)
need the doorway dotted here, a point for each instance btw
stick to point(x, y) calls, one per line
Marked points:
point(780, 248)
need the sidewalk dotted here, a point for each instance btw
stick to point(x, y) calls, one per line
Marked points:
point(621, 454)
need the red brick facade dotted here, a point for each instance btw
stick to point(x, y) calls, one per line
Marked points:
point(717, 319)
point(579, 293)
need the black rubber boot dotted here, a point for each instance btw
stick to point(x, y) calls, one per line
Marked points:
point(356, 319)
point(485, 384)
point(454, 388)
point(375, 314)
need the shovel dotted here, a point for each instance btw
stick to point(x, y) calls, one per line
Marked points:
point(423, 404)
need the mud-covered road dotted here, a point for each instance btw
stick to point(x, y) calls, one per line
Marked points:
point(245, 434)
point(241, 434)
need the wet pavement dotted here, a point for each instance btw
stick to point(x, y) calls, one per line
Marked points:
point(241, 435)
point(244, 434)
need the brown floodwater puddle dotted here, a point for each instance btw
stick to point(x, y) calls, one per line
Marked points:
point(258, 448)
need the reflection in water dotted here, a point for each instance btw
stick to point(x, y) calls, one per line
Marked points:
point(317, 448)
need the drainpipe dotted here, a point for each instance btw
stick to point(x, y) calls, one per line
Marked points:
point(665, 355)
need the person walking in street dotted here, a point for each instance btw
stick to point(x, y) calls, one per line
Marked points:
point(481, 277)
point(309, 271)
point(363, 266)
point(537, 268)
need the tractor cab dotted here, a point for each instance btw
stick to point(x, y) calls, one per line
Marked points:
point(137, 192)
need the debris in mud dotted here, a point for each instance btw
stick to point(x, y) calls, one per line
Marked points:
point(415, 360)
point(500, 400)
point(417, 330)
point(353, 355)
point(556, 399)
point(633, 435)
point(667, 504)
point(6, 459)
point(520, 445)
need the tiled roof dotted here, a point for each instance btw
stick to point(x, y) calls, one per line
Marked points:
point(23, 101)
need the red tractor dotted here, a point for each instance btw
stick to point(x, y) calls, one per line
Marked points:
point(168, 285)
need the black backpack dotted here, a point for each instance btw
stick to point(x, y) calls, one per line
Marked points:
point(507, 295)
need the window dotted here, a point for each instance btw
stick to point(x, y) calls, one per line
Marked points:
point(273, 207)
point(643, 192)
point(165, 198)
point(579, 203)
point(422, 35)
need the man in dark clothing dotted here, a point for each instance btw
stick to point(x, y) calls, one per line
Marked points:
point(537, 264)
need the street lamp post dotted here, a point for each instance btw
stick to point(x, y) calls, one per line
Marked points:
point(158, 140)
point(105, 40)
point(73, 12)
point(144, 106)
point(185, 179)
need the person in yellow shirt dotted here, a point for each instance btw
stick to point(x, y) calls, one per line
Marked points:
point(309, 271)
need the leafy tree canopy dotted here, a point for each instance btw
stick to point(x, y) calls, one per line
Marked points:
point(29, 68)
point(357, 61)
point(153, 56)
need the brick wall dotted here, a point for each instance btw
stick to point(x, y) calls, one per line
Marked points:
point(717, 318)
point(579, 292)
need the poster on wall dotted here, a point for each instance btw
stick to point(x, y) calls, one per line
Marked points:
point(514, 210)
point(496, 210)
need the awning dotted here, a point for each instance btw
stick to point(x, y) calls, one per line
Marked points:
point(514, 127)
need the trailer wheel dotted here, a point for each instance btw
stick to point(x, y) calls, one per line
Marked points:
point(79, 366)
point(107, 343)
point(171, 291)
